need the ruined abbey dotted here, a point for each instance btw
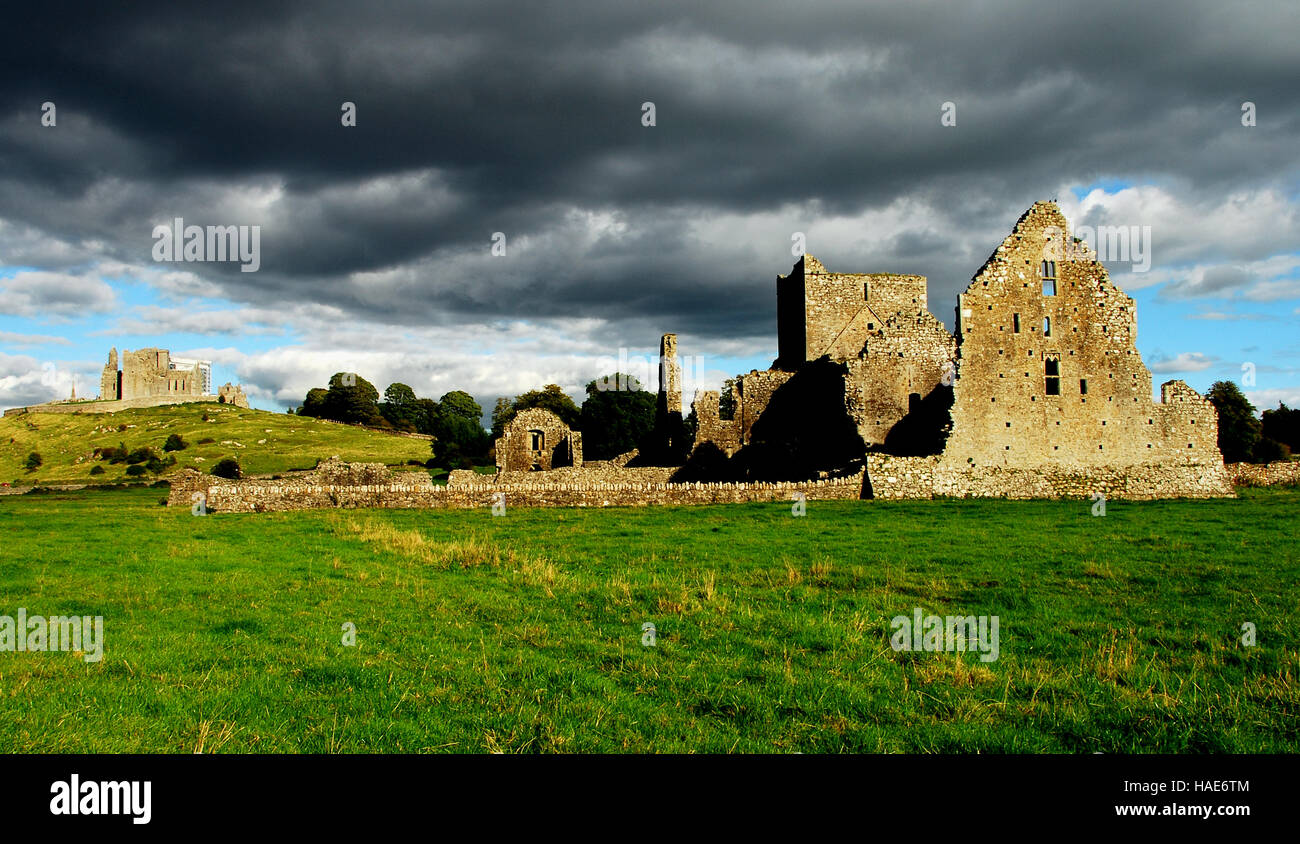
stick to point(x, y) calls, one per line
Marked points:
point(150, 377)
point(1039, 393)
point(1041, 389)
point(146, 378)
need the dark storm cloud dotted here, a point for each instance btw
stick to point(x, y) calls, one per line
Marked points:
point(524, 118)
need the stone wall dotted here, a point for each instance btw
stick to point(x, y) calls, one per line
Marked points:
point(1281, 473)
point(893, 477)
point(90, 406)
point(335, 484)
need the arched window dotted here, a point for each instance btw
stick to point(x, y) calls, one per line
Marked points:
point(1052, 373)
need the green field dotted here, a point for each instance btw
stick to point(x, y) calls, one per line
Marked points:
point(523, 633)
point(262, 441)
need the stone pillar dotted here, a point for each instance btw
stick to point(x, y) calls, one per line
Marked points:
point(670, 440)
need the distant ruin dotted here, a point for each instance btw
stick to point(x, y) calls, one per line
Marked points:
point(147, 378)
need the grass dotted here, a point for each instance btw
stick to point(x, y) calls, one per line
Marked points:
point(262, 441)
point(523, 633)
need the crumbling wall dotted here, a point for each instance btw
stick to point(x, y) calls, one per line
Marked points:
point(710, 427)
point(559, 445)
point(903, 360)
point(838, 311)
point(1102, 414)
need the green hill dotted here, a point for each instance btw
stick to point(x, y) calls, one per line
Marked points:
point(262, 441)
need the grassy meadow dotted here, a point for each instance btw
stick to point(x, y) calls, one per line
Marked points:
point(262, 441)
point(523, 633)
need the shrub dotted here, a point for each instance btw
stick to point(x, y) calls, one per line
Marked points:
point(135, 470)
point(97, 470)
point(140, 455)
point(1268, 450)
point(156, 465)
point(175, 442)
point(205, 416)
point(33, 461)
point(206, 441)
point(228, 467)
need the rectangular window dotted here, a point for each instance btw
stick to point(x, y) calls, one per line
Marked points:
point(866, 290)
point(1015, 323)
point(1047, 326)
point(1083, 386)
point(1049, 278)
point(1052, 373)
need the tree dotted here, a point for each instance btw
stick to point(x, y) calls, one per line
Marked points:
point(33, 461)
point(461, 403)
point(1239, 430)
point(399, 394)
point(351, 398)
point(400, 407)
point(228, 467)
point(459, 438)
point(313, 405)
point(615, 421)
point(551, 398)
point(502, 413)
point(1282, 425)
point(727, 399)
point(175, 442)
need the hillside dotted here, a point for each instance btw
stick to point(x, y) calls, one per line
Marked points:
point(262, 441)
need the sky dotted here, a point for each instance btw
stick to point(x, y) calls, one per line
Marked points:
point(894, 137)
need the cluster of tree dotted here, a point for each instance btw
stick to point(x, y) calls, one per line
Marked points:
point(453, 421)
point(1245, 439)
point(138, 460)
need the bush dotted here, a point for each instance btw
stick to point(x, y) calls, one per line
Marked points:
point(135, 470)
point(111, 454)
point(175, 442)
point(228, 467)
point(33, 461)
point(97, 470)
point(156, 465)
point(206, 441)
point(140, 455)
point(1268, 450)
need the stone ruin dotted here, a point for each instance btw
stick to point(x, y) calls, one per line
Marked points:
point(1040, 393)
point(147, 378)
point(536, 440)
point(1043, 378)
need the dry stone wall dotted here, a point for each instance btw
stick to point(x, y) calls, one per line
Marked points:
point(1281, 473)
point(894, 477)
point(334, 484)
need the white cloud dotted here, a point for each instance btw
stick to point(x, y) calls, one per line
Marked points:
point(39, 293)
point(1185, 362)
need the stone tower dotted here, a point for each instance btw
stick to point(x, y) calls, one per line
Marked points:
point(110, 382)
point(670, 436)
